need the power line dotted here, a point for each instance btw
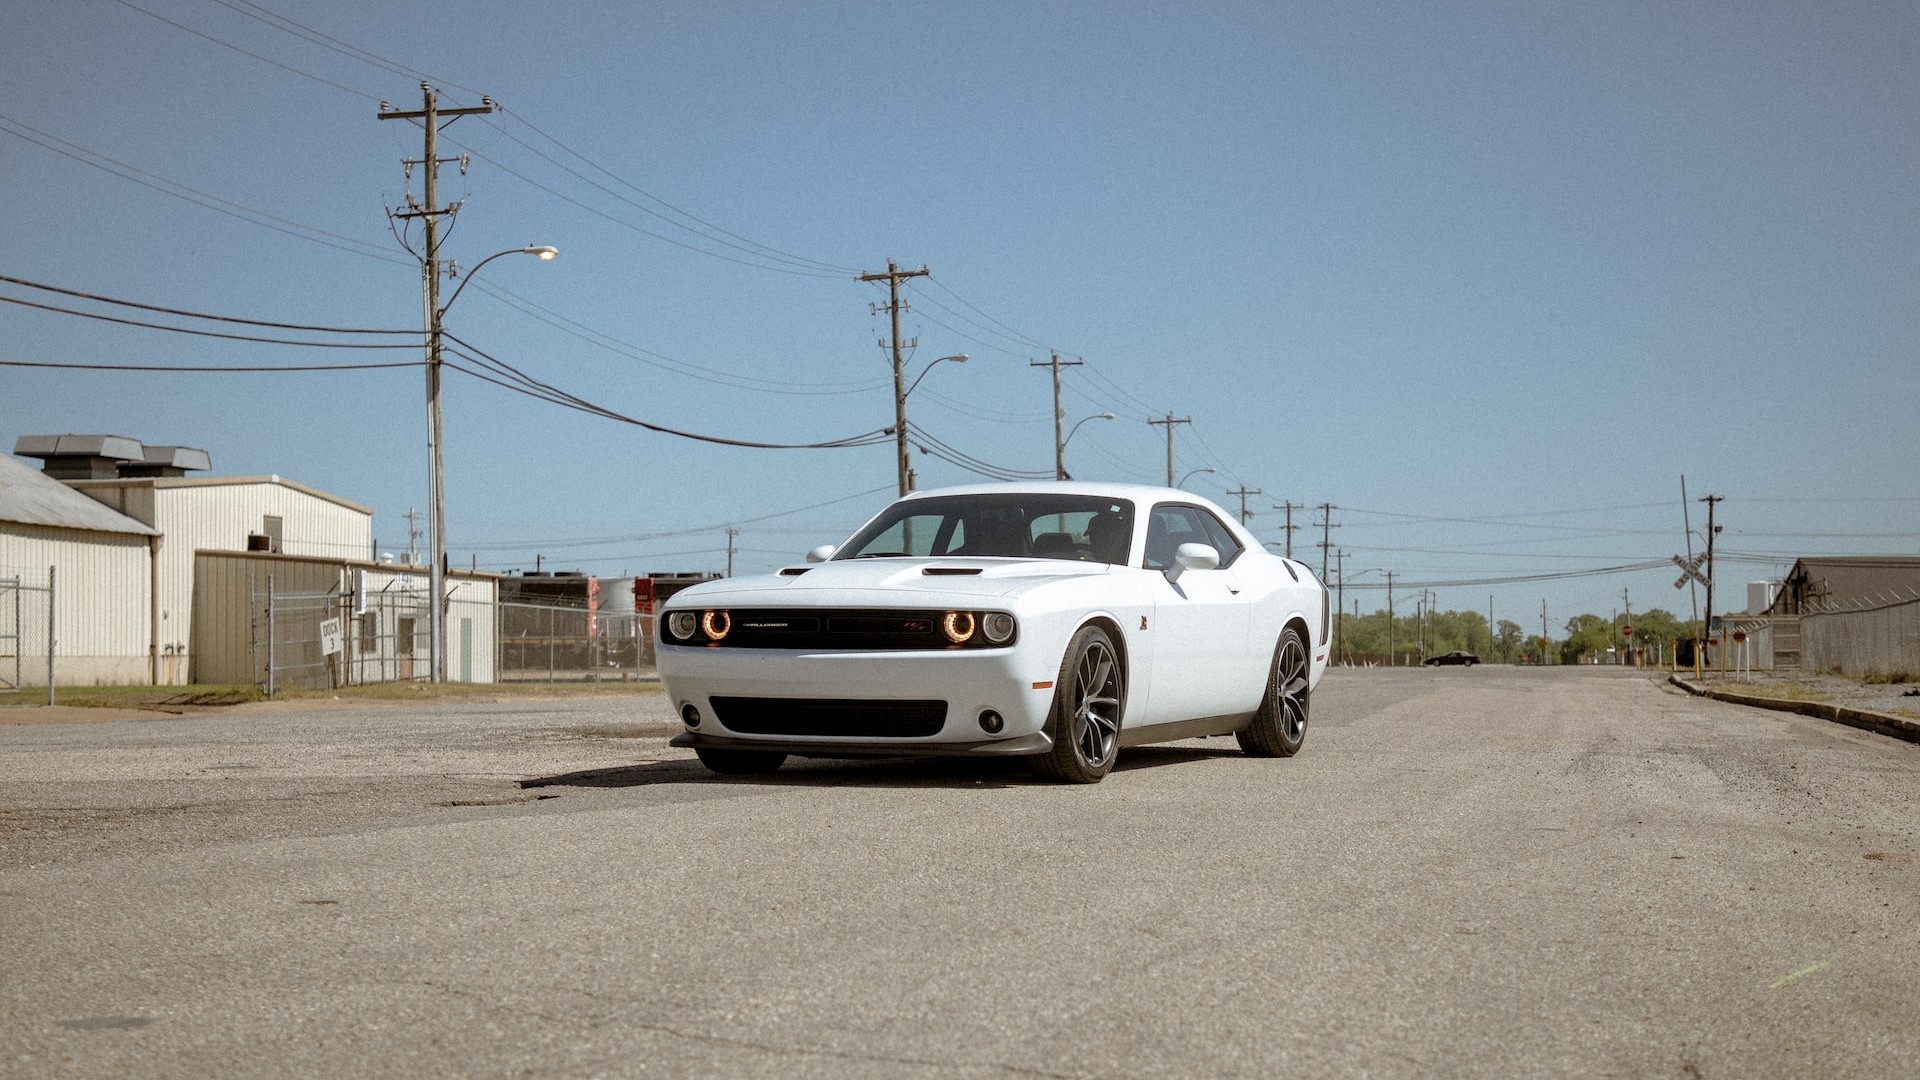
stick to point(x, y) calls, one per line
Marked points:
point(196, 333)
point(207, 367)
point(202, 199)
point(197, 314)
point(676, 366)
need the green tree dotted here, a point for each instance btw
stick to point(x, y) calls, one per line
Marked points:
point(1510, 634)
point(1587, 635)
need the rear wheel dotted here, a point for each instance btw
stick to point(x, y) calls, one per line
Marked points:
point(1089, 698)
point(740, 762)
point(1280, 726)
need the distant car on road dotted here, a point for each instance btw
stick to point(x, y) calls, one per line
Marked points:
point(1457, 657)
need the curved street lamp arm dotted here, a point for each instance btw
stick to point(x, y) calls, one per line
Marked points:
point(545, 252)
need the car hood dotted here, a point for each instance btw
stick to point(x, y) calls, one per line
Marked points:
point(886, 582)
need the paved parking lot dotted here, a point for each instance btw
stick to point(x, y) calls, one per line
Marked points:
point(1467, 872)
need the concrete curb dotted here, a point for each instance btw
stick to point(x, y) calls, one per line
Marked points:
point(1898, 727)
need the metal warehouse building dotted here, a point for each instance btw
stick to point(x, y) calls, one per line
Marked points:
point(102, 564)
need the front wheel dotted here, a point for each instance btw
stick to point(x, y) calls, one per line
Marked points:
point(1089, 698)
point(1280, 726)
point(740, 762)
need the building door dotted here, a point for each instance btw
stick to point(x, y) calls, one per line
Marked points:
point(403, 647)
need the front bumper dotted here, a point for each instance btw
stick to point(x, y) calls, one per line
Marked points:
point(1016, 683)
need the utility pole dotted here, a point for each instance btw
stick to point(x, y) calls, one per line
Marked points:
point(1632, 658)
point(1544, 640)
point(731, 533)
point(1244, 491)
point(1289, 507)
point(1390, 656)
point(1059, 443)
point(1711, 501)
point(1169, 422)
point(893, 277)
point(1340, 607)
point(431, 117)
point(1326, 523)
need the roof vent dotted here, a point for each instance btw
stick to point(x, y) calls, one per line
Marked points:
point(108, 457)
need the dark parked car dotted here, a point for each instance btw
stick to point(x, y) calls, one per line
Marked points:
point(1464, 659)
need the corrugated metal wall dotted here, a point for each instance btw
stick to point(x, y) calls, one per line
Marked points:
point(223, 646)
point(101, 613)
point(195, 515)
point(387, 641)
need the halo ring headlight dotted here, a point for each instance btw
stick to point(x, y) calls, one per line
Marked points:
point(998, 627)
point(715, 624)
point(959, 626)
point(682, 624)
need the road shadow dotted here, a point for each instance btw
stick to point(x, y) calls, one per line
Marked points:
point(906, 772)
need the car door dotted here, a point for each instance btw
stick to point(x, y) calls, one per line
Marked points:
point(1199, 624)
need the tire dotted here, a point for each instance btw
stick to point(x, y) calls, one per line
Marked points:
point(1280, 726)
point(740, 762)
point(1089, 700)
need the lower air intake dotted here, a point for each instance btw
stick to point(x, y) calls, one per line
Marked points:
point(826, 716)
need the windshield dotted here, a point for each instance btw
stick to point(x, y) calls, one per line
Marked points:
point(1014, 524)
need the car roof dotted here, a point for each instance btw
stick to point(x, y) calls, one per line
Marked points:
point(1140, 493)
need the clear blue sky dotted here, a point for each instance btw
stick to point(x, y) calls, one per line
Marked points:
point(1518, 263)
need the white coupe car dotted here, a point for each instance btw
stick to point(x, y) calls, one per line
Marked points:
point(1060, 621)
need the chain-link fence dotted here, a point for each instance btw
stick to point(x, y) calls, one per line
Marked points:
point(322, 640)
point(570, 643)
point(27, 641)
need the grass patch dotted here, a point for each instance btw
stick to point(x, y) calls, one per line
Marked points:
point(178, 699)
point(154, 698)
point(1889, 678)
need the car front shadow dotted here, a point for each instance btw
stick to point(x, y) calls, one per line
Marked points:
point(928, 772)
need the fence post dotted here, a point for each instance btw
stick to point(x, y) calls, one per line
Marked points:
point(52, 597)
point(269, 637)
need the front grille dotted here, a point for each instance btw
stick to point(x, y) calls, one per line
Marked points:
point(828, 716)
point(816, 628)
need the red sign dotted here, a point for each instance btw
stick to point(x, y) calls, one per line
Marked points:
point(643, 595)
point(1626, 631)
point(1739, 635)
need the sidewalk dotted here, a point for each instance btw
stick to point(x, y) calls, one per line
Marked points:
point(1883, 708)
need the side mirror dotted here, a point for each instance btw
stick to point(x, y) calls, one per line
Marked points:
point(1192, 557)
point(825, 551)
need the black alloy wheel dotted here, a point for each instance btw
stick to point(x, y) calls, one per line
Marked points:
point(1089, 699)
point(1280, 726)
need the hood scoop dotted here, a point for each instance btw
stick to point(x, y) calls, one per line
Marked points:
point(794, 571)
point(952, 571)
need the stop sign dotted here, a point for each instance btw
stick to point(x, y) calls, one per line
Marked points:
point(1626, 631)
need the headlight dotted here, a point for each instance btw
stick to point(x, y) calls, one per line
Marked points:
point(715, 624)
point(998, 626)
point(959, 626)
point(681, 624)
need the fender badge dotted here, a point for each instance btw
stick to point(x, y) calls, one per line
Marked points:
point(1143, 622)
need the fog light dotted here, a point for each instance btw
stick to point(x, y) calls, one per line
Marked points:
point(690, 714)
point(991, 722)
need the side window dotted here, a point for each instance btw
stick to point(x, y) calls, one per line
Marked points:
point(1223, 541)
point(1168, 528)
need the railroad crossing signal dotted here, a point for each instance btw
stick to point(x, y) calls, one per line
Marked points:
point(1690, 570)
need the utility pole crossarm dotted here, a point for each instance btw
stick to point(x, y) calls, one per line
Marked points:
point(1243, 491)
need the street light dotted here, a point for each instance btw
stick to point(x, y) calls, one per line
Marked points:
point(900, 418)
point(436, 488)
point(1191, 475)
point(1060, 452)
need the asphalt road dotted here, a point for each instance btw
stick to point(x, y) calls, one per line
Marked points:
point(1480, 872)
